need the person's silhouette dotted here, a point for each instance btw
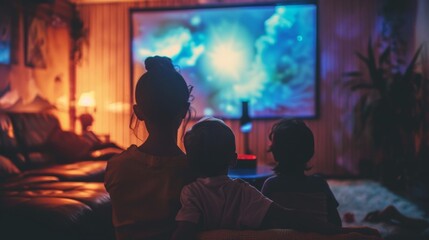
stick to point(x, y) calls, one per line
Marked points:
point(144, 182)
point(292, 145)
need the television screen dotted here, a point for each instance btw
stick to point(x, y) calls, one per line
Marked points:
point(5, 34)
point(263, 54)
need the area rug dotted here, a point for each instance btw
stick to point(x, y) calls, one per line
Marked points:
point(359, 197)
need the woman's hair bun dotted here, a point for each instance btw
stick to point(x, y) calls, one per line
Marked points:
point(158, 64)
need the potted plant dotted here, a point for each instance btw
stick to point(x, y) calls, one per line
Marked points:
point(390, 115)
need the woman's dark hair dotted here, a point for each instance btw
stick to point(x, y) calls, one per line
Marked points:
point(210, 145)
point(292, 145)
point(162, 92)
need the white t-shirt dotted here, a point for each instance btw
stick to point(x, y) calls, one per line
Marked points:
point(222, 203)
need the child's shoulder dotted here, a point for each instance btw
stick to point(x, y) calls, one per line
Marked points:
point(295, 181)
point(212, 183)
point(317, 178)
point(239, 185)
point(239, 181)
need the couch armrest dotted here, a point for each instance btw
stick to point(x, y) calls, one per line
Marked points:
point(105, 153)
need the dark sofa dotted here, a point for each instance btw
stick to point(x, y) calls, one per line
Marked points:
point(57, 191)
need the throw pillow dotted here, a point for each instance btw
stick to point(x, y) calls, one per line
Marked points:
point(68, 146)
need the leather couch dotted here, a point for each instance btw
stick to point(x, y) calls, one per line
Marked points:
point(58, 191)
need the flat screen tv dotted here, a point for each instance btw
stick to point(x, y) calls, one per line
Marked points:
point(264, 54)
point(5, 36)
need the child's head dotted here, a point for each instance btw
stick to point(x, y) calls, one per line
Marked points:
point(292, 145)
point(210, 147)
point(161, 94)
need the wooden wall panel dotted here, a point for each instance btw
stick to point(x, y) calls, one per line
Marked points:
point(344, 27)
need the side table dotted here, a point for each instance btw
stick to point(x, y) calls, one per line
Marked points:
point(254, 176)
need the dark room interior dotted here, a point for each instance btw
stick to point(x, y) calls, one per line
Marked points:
point(355, 72)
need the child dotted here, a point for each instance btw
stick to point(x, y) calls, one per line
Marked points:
point(292, 145)
point(144, 182)
point(214, 201)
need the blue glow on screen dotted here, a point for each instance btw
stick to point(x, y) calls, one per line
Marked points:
point(265, 54)
point(4, 52)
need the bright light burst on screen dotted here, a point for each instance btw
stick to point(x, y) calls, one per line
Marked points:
point(227, 59)
point(228, 50)
point(264, 54)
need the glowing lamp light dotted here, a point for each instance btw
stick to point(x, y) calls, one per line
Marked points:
point(118, 107)
point(86, 99)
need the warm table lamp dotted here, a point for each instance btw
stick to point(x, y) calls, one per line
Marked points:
point(87, 101)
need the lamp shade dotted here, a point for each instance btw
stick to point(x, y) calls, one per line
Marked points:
point(86, 99)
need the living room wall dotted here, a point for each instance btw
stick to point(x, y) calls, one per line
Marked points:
point(344, 28)
point(33, 85)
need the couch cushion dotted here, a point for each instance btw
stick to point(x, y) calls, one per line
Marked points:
point(20, 182)
point(67, 146)
point(85, 171)
point(31, 132)
point(91, 194)
point(56, 210)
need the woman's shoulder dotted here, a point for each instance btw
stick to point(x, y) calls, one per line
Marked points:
point(128, 153)
point(132, 156)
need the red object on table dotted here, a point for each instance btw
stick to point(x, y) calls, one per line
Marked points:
point(246, 161)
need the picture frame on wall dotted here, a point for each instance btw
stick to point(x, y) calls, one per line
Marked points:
point(35, 42)
point(5, 37)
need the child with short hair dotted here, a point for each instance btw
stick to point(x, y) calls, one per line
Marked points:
point(215, 201)
point(292, 145)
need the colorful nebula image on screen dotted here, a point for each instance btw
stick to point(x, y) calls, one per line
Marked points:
point(263, 54)
point(5, 44)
